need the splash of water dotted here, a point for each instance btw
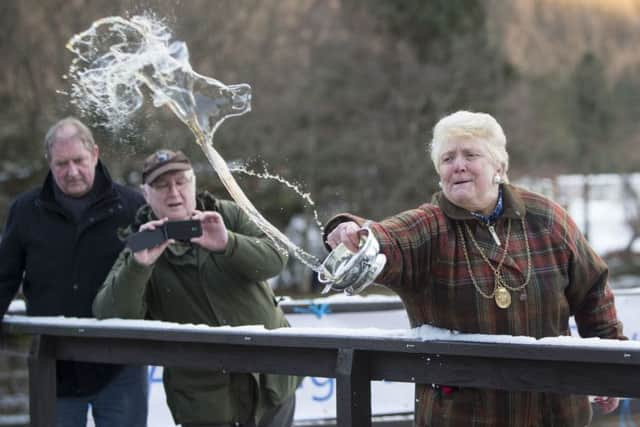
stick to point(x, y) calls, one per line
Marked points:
point(116, 58)
point(265, 174)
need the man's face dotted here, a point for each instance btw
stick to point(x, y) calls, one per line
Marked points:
point(172, 195)
point(72, 164)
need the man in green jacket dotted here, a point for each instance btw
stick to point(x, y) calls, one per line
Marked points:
point(216, 279)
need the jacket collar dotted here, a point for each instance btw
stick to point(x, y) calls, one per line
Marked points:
point(514, 206)
point(102, 186)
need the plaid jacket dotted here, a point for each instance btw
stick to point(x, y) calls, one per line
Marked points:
point(427, 268)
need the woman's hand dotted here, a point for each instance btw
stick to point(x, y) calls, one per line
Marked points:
point(149, 256)
point(606, 405)
point(348, 233)
point(214, 233)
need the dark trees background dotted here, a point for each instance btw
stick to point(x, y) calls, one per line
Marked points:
point(345, 92)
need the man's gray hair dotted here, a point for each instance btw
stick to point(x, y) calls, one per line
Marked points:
point(82, 132)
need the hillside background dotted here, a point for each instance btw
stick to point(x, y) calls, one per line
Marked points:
point(346, 92)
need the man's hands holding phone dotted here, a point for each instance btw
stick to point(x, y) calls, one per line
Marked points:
point(214, 233)
point(148, 255)
point(206, 229)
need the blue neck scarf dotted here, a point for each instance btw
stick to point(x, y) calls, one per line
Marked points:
point(491, 218)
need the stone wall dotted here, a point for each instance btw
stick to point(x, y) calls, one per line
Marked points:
point(14, 391)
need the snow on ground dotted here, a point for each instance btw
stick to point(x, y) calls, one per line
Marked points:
point(609, 205)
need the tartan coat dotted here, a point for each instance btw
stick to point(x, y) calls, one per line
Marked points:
point(426, 267)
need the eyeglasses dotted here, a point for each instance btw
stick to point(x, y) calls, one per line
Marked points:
point(165, 186)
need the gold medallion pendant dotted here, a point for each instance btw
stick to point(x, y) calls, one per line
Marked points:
point(502, 297)
point(500, 294)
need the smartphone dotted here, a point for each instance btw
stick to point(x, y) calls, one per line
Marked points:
point(183, 230)
point(176, 230)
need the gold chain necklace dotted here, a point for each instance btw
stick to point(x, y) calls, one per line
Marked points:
point(501, 289)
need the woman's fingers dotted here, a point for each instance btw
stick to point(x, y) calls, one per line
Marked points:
point(347, 233)
point(606, 404)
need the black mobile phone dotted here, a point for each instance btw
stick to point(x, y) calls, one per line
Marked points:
point(177, 230)
point(183, 230)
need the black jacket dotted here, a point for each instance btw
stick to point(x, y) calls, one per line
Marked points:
point(62, 263)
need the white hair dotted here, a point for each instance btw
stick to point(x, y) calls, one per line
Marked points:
point(470, 126)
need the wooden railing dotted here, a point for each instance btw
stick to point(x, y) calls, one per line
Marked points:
point(353, 357)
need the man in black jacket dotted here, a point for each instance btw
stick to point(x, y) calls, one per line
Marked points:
point(59, 243)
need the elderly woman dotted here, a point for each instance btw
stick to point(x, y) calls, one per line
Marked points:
point(488, 257)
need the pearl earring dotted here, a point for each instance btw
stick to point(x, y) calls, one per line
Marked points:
point(497, 179)
point(440, 184)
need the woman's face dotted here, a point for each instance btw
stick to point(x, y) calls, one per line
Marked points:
point(467, 173)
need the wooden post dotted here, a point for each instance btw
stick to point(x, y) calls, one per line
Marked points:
point(42, 382)
point(353, 389)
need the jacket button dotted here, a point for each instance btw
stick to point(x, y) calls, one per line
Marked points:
point(75, 286)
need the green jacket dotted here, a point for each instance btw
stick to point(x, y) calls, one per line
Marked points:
point(189, 284)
